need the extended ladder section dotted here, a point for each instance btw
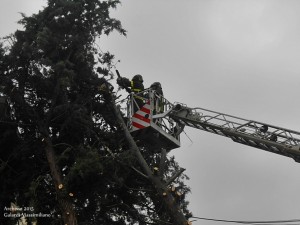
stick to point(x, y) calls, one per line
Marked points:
point(252, 133)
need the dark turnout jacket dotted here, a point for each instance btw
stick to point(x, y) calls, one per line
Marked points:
point(135, 86)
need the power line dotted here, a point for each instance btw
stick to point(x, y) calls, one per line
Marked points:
point(277, 222)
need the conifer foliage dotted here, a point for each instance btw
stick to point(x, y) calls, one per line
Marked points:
point(61, 149)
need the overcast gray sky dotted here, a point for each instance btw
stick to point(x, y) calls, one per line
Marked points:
point(232, 56)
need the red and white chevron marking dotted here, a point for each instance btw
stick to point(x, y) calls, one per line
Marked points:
point(139, 121)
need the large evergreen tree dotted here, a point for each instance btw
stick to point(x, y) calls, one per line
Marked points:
point(63, 151)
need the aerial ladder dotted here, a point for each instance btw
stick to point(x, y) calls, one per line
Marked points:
point(158, 124)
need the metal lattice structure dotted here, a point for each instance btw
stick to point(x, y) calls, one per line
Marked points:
point(249, 132)
point(159, 124)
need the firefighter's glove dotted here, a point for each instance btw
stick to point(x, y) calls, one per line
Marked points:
point(120, 81)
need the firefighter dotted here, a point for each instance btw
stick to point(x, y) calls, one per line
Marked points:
point(136, 86)
point(158, 98)
point(156, 86)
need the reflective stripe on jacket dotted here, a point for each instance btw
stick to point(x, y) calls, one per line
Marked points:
point(136, 86)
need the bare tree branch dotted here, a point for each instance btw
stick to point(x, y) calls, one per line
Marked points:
point(139, 172)
point(175, 176)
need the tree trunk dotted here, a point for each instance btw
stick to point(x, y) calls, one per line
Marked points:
point(167, 199)
point(65, 204)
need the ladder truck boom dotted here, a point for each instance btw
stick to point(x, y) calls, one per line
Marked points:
point(158, 124)
point(264, 136)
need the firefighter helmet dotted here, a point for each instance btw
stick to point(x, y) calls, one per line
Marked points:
point(155, 85)
point(138, 77)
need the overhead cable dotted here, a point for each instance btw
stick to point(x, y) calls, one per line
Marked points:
point(277, 222)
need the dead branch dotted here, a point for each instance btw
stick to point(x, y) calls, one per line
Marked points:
point(175, 176)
